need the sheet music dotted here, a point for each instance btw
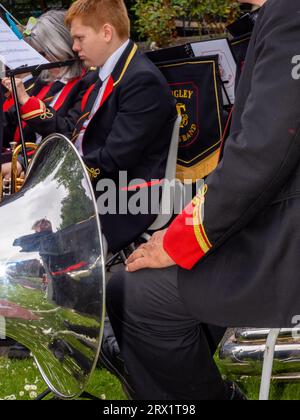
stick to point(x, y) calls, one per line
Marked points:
point(14, 52)
point(228, 67)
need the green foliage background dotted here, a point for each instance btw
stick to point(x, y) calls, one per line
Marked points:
point(152, 20)
point(155, 19)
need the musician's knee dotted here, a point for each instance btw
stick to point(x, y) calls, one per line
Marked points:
point(145, 294)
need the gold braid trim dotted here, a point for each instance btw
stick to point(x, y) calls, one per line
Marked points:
point(29, 87)
point(199, 230)
point(129, 59)
point(37, 112)
point(75, 137)
point(93, 172)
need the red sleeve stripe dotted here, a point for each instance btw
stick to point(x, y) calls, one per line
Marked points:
point(86, 97)
point(186, 241)
point(181, 243)
point(32, 109)
point(108, 90)
point(65, 93)
point(8, 104)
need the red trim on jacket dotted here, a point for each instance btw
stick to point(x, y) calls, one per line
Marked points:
point(86, 97)
point(186, 240)
point(69, 269)
point(144, 185)
point(8, 104)
point(34, 102)
point(65, 93)
point(180, 241)
point(108, 91)
point(31, 106)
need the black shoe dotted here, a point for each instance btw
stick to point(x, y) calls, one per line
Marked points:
point(7, 342)
point(13, 350)
point(234, 392)
point(18, 352)
point(110, 358)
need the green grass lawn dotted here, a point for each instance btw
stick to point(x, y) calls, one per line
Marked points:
point(279, 391)
point(21, 380)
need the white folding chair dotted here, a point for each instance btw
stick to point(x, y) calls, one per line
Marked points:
point(268, 364)
point(168, 194)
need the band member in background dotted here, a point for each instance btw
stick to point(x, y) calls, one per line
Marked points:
point(59, 88)
point(238, 264)
point(125, 120)
point(241, 31)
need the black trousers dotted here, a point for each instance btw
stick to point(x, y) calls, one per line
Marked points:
point(167, 352)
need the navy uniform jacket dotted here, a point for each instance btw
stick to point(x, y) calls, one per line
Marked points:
point(240, 265)
point(131, 131)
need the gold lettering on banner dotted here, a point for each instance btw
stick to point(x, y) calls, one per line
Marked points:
point(181, 110)
point(187, 108)
point(189, 134)
point(183, 94)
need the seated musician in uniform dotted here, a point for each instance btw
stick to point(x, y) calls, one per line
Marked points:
point(232, 257)
point(125, 121)
point(241, 29)
point(61, 88)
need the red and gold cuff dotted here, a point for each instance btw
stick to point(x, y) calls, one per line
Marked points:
point(32, 109)
point(186, 241)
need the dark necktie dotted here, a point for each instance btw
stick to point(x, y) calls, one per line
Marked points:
point(89, 106)
point(93, 95)
point(56, 87)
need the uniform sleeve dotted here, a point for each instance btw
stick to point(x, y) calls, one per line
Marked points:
point(259, 158)
point(10, 124)
point(44, 120)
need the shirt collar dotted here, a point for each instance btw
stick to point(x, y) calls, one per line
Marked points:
point(63, 80)
point(107, 69)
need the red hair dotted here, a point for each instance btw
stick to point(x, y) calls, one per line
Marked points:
point(96, 13)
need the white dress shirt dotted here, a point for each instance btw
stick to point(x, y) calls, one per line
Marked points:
point(27, 78)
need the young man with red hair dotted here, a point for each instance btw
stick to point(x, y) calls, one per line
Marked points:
point(127, 119)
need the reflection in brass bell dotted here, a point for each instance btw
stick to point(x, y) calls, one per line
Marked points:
point(52, 268)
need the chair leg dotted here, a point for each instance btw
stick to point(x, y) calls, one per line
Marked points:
point(146, 237)
point(120, 257)
point(114, 260)
point(268, 365)
point(123, 256)
point(132, 247)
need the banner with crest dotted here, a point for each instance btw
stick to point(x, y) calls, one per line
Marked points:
point(196, 85)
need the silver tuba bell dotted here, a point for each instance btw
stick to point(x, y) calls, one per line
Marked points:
point(52, 277)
